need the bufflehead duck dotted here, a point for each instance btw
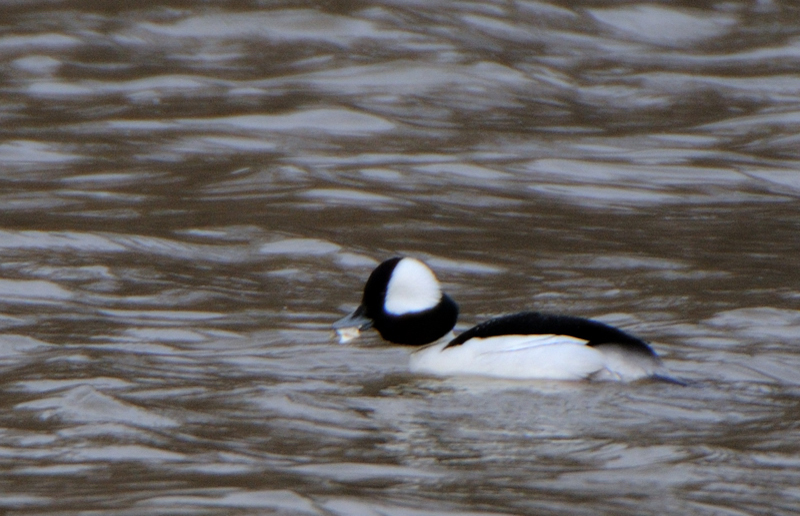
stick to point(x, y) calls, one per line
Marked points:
point(404, 302)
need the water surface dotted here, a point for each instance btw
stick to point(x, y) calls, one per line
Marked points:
point(190, 194)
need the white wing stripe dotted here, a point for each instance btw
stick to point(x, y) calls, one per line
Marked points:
point(512, 343)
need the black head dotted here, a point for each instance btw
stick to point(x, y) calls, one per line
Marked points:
point(405, 302)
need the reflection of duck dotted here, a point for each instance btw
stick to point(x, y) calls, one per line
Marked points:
point(404, 302)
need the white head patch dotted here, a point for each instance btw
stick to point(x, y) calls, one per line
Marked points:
point(412, 288)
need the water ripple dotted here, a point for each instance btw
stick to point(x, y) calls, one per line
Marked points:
point(85, 404)
point(191, 195)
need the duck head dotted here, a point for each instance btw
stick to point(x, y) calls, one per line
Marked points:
point(404, 302)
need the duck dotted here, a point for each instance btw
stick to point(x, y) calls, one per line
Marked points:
point(404, 302)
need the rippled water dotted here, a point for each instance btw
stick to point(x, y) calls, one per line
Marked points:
point(192, 193)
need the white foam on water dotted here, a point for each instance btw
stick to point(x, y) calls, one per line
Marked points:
point(779, 179)
point(159, 334)
point(60, 89)
point(13, 346)
point(85, 404)
point(164, 315)
point(220, 144)
point(125, 453)
point(57, 241)
point(762, 323)
point(299, 246)
point(665, 26)
point(351, 472)
point(332, 121)
point(414, 78)
point(618, 174)
point(21, 501)
point(42, 386)
point(335, 196)
point(37, 64)
point(42, 41)
point(466, 171)
point(33, 291)
point(67, 470)
point(342, 506)
point(284, 501)
point(34, 152)
point(277, 25)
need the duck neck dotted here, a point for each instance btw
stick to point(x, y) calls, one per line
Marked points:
point(419, 328)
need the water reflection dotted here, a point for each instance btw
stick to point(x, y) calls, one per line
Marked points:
point(191, 194)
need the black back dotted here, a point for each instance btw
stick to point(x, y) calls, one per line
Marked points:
point(534, 323)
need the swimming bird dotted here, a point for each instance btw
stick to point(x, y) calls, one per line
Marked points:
point(404, 302)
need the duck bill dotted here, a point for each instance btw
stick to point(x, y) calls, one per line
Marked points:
point(357, 320)
point(351, 326)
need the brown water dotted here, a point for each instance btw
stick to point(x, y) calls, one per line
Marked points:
point(190, 193)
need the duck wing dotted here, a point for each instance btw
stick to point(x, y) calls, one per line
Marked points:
point(593, 333)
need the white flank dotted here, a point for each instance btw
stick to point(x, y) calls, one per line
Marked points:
point(412, 288)
point(522, 357)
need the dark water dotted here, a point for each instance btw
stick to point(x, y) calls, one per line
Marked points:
point(190, 193)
